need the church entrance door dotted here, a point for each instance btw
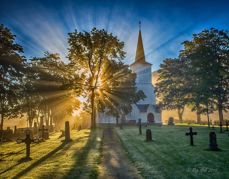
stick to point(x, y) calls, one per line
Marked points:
point(150, 118)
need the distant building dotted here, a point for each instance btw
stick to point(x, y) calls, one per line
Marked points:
point(145, 109)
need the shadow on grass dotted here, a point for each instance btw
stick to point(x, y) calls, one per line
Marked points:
point(35, 164)
point(81, 156)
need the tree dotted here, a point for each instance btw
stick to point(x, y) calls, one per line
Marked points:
point(207, 56)
point(11, 73)
point(171, 86)
point(117, 92)
point(47, 89)
point(88, 52)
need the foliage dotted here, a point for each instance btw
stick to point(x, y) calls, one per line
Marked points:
point(97, 56)
point(171, 86)
point(11, 73)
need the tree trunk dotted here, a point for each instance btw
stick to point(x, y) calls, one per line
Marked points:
point(208, 117)
point(2, 120)
point(116, 120)
point(220, 110)
point(180, 112)
point(198, 117)
point(92, 108)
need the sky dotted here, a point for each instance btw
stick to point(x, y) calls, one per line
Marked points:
point(44, 25)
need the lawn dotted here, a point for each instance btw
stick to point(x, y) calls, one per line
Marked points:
point(171, 156)
point(54, 158)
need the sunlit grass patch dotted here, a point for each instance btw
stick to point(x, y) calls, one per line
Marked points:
point(53, 158)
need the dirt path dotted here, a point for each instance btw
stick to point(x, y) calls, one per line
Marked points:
point(115, 164)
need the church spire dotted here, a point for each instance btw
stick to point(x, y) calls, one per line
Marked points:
point(140, 54)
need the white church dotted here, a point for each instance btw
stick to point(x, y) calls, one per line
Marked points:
point(146, 109)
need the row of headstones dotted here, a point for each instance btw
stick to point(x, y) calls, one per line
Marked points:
point(212, 137)
point(171, 123)
point(29, 139)
point(10, 135)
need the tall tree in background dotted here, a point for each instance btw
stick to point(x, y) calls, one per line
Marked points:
point(53, 82)
point(88, 53)
point(11, 73)
point(171, 86)
point(207, 56)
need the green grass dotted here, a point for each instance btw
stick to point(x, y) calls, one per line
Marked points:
point(171, 156)
point(53, 158)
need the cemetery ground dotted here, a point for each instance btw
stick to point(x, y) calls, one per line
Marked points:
point(53, 158)
point(170, 155)
point(115, 153)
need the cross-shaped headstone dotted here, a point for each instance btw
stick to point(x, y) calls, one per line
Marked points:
point(43, 132)
point(27, 141)
point(191, 133)
point(140, 126)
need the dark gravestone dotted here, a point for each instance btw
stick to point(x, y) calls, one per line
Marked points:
point(191, 133)
point(213, 142)
point(35, 128)
point(67, 132)
point(140, 126)
point(148, 135)
point(28, 140)
point(44, 133)
point(171, 121)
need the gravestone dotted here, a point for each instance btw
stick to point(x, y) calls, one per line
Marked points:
point(140, 126)
point(171, 121)
point(67, 131)
point(44, 133)
point(191, 133)
point(148, 135)
point(212, 141)
point(35, 128)
point(28, 140)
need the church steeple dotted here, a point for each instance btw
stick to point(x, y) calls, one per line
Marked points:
point(140, 54)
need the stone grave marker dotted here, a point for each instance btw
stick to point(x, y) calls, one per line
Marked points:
point(44, 133)
point(140, 126)
point(67, 132)
point(213, 142)
point(171, 121)
point(191, 133)
point(148, 135)
point(35, 128)
point(28, 140)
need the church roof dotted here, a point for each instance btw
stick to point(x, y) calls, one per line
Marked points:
point(140, 54)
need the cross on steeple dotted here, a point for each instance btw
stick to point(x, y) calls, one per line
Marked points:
point(139, 25)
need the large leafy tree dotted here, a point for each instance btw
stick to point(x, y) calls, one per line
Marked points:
point(171, 86)
point(47, 89)
point(93, 54)
point(11, 73)
point(207, 56)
